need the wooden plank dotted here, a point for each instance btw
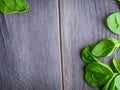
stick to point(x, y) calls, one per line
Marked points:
point(29, 48)
point(82, 23)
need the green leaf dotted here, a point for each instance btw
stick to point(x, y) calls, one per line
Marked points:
point(117, 82)
point(116, 64)
point(13, 6)
point(4, 8)
point(109, 83)
point(87, 56)
point(17, 5)
point(112, 85)
point(97, 73)
point(113, 23)
point(106, 47)
point(116, 42)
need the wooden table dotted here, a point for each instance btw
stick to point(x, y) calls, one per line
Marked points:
point(40, 50)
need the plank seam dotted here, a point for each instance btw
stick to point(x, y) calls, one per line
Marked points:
point(60, 44)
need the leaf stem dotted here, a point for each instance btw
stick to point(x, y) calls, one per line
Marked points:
point(117, 44)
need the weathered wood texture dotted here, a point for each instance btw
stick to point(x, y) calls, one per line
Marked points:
point(82, 23)
point(29, 48)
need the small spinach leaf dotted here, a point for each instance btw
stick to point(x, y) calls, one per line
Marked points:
point(106, 47)
point(13, 6)
point(116, 64)
point(113, 23)
point(87, 56)
point(97, 73)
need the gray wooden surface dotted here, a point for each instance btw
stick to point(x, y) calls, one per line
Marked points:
point(40, 50)
point(82, 23)
point(29, 48)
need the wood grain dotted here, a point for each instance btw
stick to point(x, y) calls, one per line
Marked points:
point(82, 23)
point(29, 48)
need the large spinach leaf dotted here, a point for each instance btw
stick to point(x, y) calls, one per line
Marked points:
point(106, 47)
point(97, 73)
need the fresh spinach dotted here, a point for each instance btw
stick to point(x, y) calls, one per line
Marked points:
point(106, 47)
point(87, 56)
point(112, 85)
point(113, 23)
point(108, 84)
point(97, 73)
point(117, 82)
point(13, 6)
point(116, 64)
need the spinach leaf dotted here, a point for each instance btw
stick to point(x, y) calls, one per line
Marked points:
point(97, 73)
point(116, 42)
point(4, 8)
point(13, 6)
point(109, 83)
point(112, 85)
point(17, 5)
point(106, 47)
point(117, 82)
point(87, 56)
point(116, 64)
point(113, 23)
